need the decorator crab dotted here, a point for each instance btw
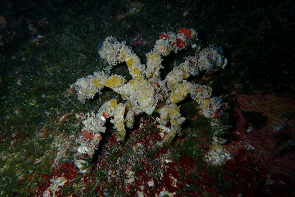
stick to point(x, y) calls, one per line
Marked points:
point(147, 92)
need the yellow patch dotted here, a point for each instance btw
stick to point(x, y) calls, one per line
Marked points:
point(115, 81)
point(152, 56)
point(97, 82)
point(136, 73)
point(174, 110)
point(119, 126)
point(123, 55)
point(185, 75)
point(113, 103)
point(165, 116)
point(130, 62)
point(179, 93)
point(207, 102)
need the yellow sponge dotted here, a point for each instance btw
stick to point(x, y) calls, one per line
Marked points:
point(180, 92)
point(115, 81)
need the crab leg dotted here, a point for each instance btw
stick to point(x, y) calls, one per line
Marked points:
point(170, 112)
point(94, 125)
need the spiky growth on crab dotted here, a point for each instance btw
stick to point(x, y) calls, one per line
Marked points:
point(147, 92)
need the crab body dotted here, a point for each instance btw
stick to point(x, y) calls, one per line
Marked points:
point(147, 92)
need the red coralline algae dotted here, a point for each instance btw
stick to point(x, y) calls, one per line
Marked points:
point(187, 164)
point(86, 134)
point(186, 31)
point(180, 43)
point(241, 124)
point(258, 166)
point(272, 106)
point(163, 35)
